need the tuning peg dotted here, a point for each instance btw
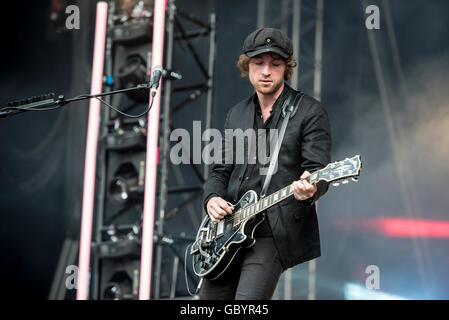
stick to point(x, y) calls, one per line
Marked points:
point(355, 179)
point(336, 184)
point(345, 181)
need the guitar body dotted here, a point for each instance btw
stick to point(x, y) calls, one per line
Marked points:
point(212, 257)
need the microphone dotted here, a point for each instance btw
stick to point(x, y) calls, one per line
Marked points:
point(157, 73)
point(171, 75)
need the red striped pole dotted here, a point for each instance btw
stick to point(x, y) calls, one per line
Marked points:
point(91, 153)
point(152, 157)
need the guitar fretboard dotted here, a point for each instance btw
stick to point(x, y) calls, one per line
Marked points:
point(263, 204)
point(268, 201)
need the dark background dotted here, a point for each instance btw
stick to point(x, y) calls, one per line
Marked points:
point(42, 153)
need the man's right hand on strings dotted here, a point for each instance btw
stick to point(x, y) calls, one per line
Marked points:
point(218, 208)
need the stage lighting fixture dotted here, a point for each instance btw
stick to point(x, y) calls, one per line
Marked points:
point(118, 249)
point(133, 10)
point(119, 245)
point(126, 140)
point(131, 74)
point(119, 288)
point(126, 186)
point(133, 33)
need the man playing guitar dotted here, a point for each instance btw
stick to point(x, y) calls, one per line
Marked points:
point(287, 234)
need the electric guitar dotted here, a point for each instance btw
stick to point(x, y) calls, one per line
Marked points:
point(217, 243)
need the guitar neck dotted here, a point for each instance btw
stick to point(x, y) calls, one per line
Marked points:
point(350, 167)
point(268, 201)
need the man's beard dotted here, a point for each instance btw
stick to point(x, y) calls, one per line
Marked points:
point(267, 90)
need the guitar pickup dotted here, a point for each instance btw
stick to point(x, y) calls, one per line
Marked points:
point(220, 228)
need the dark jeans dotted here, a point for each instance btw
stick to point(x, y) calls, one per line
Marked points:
point(253, 275)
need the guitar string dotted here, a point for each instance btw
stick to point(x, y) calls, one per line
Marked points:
point(233, 217)
point(228, 219)
point(289, 193)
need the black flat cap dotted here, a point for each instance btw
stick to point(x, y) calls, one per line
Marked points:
point(267, 40)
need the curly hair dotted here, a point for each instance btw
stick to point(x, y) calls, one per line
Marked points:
point(244, 60)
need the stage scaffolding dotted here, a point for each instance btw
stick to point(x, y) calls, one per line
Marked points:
point(117, 228)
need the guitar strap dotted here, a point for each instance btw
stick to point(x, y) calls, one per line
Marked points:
point(288, 111)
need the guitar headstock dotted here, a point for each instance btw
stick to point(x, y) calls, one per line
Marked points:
point(340, 170)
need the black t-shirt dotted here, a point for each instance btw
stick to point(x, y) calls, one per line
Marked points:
point(252, 179)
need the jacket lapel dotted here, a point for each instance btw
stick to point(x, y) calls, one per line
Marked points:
point(244, 121)
point(280, 104)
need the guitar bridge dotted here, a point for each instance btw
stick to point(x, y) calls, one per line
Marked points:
point(206, 236)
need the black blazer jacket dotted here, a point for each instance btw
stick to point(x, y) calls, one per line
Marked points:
point(306, 146)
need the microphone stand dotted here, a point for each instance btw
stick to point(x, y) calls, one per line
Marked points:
point(49, 103)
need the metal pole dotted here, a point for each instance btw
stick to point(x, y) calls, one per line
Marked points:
point(58, 282)
point(151, 158)
point(317, 94)
point(296, 41)
point(210, 81)
point(91, 152)
point(165, 149)
point(394, 48)
point(318, 49)
point(174, 277)
point(210, 85)
point(261, 13)
point(284, 15)
point(296, 25)
point(101, 167)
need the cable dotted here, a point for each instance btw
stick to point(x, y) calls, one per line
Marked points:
point(81, 96)
point(185, 272)
point(125, 114)
point(121, 112)
point(29, 108)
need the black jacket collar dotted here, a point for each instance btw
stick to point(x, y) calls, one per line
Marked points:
point(277, 107)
